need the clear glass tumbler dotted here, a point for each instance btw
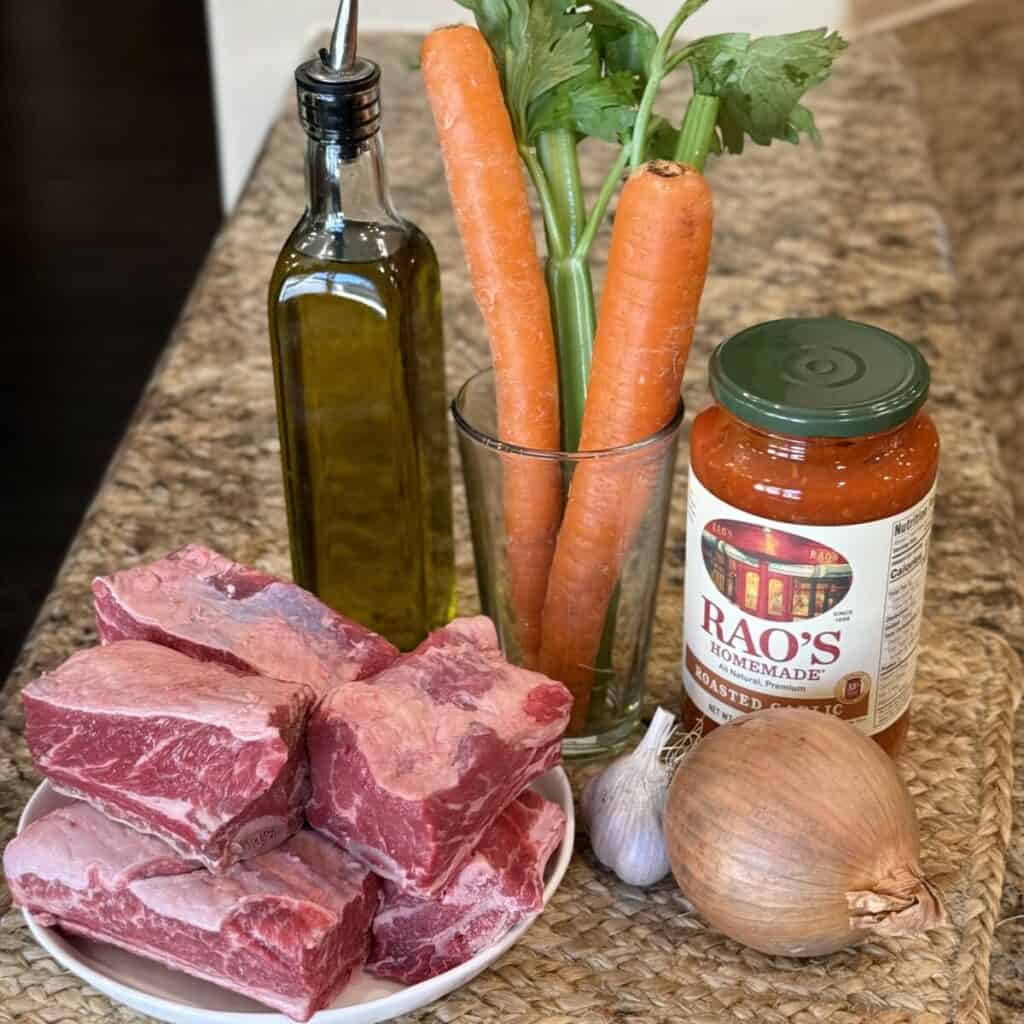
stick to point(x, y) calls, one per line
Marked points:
point(604, 667)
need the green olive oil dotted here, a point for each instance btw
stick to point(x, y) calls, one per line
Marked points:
point(357, 344)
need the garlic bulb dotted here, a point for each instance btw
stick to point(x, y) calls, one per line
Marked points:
point(623, 808)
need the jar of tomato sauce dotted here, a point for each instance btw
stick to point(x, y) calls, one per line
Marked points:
point(812, 481)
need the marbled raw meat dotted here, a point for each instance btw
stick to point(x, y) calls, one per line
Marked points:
point(211, 761)
point(286, 928)
point(410, 768)
point(499, 886)
point(214, 609)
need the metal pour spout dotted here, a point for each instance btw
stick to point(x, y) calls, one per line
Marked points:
point(342, 54)
point(339, 91)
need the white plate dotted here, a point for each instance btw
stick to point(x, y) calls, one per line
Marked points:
point(150, 988)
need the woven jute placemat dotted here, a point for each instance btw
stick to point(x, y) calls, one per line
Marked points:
point(603, 951)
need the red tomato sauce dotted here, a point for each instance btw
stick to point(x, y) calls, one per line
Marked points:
point(824, 481)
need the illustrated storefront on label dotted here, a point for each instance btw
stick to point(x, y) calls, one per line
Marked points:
point(773, 574)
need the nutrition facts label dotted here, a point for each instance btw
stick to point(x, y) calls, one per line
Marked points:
point(904, 604)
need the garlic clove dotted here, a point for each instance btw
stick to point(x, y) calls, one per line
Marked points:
point(632, 844)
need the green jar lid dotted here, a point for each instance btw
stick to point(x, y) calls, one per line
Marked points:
point(819, 377)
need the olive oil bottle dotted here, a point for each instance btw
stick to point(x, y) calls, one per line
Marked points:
point(355, 328)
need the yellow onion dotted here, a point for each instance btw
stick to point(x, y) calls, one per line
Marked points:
point(792, 833)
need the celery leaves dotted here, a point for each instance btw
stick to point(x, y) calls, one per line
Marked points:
point(625, 41)
point(759, 82)
point(662, 139)
point(565, 66)
point(537, 47)
point(602, 102)
point(604, 108)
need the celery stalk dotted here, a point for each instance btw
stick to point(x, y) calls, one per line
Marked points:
point(660, 66)
point(572, 312)
point(556, 149)
point(570, 288)
point(698, 130)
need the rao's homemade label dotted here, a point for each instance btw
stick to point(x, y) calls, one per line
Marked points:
point(783, 615)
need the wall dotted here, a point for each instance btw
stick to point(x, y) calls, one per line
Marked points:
point(255, 45)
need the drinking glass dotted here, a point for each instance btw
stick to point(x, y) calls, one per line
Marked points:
point(634, 486)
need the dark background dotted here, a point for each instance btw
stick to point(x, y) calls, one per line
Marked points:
point(108, 201)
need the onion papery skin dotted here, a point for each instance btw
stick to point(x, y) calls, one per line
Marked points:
point(792, 833)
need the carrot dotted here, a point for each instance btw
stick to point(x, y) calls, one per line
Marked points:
point(488, 194)
point(661, 241)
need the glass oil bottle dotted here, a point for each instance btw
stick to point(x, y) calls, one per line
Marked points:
point(356, 336)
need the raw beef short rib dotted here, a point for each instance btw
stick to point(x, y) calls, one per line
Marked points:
point(211, 608)
point(499, 886)
point(210, 761)
point(410, 768)
point(286, 928)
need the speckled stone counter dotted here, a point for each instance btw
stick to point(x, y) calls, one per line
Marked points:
point(852, 229)
point(969, 74)
point(969, 71)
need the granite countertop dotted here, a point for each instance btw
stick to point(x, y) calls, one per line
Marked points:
point(969, 74)
point(853, 229)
